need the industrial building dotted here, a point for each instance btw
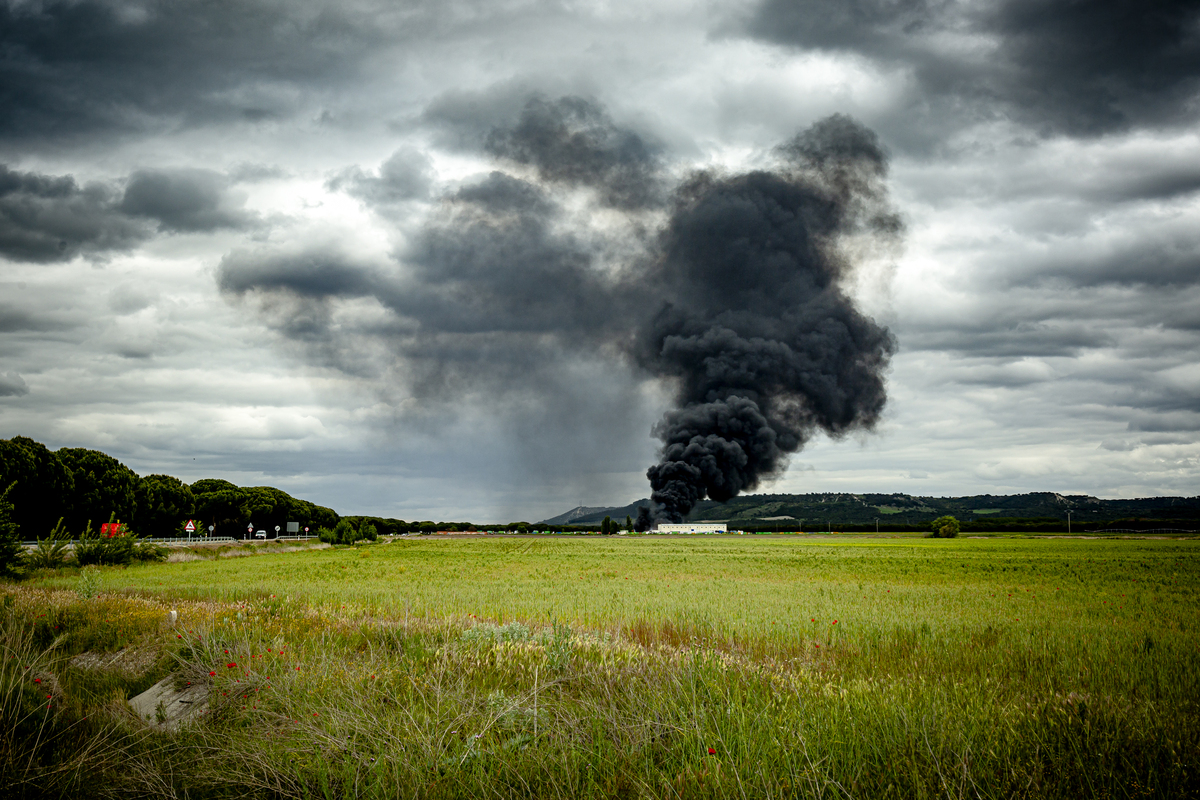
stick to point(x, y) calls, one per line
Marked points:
point(690, 527)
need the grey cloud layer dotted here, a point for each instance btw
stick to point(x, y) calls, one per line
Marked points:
point(480, 310)
point(1079, 68)
point(80, 68)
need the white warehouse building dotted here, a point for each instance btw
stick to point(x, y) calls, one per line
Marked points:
point(690, 527)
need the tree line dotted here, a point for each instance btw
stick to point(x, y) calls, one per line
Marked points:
point(81, 486)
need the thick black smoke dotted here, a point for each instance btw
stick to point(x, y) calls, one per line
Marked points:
point(756, 327)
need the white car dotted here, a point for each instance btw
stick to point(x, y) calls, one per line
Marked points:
point(260, 534)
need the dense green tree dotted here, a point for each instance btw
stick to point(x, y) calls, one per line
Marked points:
point(104, 487)
point(10, 540)
point(231, 508)
point(209, 485)
point(163, 504)
point(44, 487)
point(944, 527)
point(222, 504)
point(607, 527)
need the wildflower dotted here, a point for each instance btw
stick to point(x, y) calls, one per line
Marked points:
point(231, 665)
point(37, 680)
point(712, 751)
point(834, 622)
point(212, 673)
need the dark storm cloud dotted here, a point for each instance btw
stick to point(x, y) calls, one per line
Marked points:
point(184, 200)
point(463, 120)
point(85, 66)
point(572, 140)
point(1074, 67)
point(45, 218)
point(48, 218)
point(406, 175)
point(738, 302)
point(310, 275)
point(12, 385)
point(488, 293)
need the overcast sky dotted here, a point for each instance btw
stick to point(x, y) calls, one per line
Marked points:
point(321, 245)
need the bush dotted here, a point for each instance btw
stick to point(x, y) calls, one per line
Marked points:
point(146, 550)
point(51, 552)
point(92, 548)
point(342, 533)
point(944, 528)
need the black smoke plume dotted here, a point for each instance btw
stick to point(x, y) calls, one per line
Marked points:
point(756, 328)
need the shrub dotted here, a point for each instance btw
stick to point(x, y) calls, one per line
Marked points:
point(944, 528)
point(89, 583)
point(92, 548)
point(146, 550)
point(50, 552)
point(342, 533)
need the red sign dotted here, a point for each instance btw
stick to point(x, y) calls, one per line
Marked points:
point(111, 529)
point(190, 527)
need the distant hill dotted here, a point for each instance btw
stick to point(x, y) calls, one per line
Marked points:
point(1035, 510)
point(574, 515)
point(594, 516)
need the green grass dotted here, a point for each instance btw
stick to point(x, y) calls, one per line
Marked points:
point(580, 666)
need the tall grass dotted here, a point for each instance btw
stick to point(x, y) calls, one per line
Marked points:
point(543, 668)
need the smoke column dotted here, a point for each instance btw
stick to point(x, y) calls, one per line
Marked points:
point(755, 327)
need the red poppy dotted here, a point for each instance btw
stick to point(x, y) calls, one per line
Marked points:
point(212, 673)
point(37, 680)
point(712, 752)
point(834, 622)
point(231, 665)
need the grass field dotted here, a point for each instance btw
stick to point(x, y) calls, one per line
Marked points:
point(632, 667)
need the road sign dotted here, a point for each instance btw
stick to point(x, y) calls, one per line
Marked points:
point(250, 528)
point(190, 527)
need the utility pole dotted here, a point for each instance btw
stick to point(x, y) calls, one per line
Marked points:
point(1068, 523)
point(877, 525)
